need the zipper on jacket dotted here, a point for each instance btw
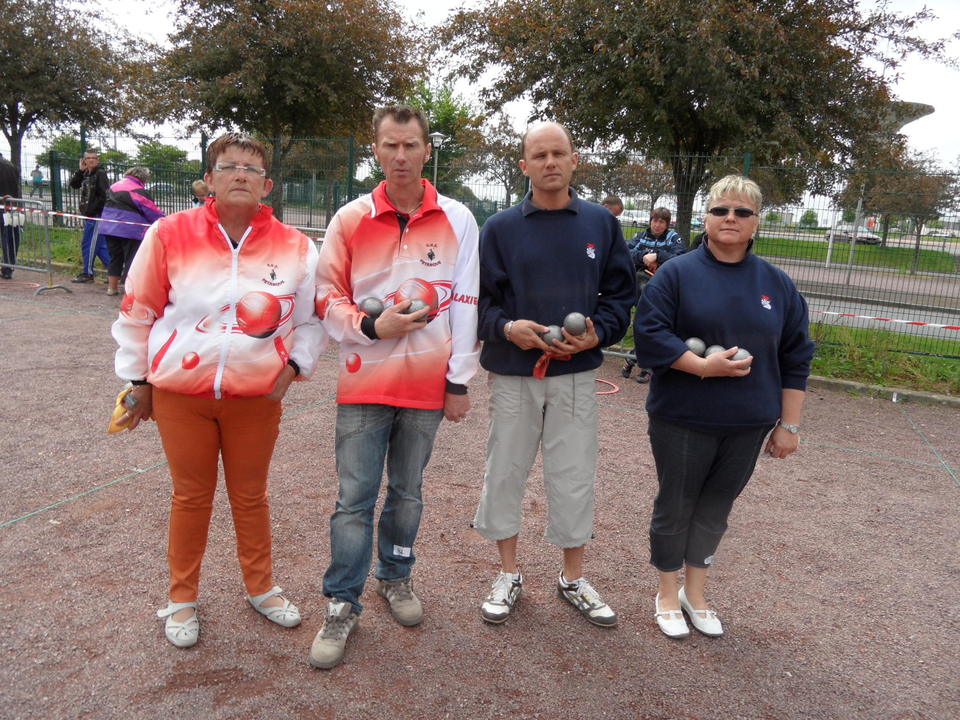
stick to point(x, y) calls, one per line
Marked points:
point(232, 309)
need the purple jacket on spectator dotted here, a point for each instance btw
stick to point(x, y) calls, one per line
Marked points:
point(129, 201)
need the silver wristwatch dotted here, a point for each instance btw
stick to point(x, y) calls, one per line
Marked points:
point(789, 428)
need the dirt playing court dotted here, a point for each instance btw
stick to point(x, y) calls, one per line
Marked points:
point(837, 582)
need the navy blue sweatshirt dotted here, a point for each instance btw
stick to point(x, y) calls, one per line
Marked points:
point(751, 304)
point(540, 265)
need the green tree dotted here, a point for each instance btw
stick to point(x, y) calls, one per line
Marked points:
point(496, 157)
point(809, 219)
point(918, 189)
point(155, 154)
point(115, 157)
point(65, 145)
point(691, 79)
point(285, 69)
point(58, 68)
point(453, 116)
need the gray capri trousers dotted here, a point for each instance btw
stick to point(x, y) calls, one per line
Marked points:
point(559, 414)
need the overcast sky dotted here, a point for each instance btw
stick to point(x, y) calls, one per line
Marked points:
point(923, 81)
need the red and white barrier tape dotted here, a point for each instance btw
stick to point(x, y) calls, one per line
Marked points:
point(43, 211)
point(892, 320)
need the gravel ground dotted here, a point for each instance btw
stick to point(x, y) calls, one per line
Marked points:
point(836, 582)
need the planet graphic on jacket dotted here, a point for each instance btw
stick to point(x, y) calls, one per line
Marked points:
point(258, 314)
point(353, 363)
point(417, 289)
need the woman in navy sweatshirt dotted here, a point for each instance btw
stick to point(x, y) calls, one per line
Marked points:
point(709, 415)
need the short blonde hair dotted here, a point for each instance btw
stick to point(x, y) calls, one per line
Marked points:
point(199, 187)
point(736, 185)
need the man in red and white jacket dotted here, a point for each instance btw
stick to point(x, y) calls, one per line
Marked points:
point(401, 370)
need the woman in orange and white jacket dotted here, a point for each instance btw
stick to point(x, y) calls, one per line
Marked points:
point(218, 319)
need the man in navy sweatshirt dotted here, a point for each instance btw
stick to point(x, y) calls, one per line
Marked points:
point(551, 255)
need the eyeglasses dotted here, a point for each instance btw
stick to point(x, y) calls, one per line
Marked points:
point(740, 212)
point(248, 170)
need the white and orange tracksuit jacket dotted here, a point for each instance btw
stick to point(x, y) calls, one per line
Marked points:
point(435, 257)
point(203, 318)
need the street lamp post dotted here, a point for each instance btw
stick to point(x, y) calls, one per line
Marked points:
point(437, 139)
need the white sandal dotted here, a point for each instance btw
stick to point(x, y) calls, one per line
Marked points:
point(182, 634)
point(671, 622)
point(706, 621)
point(286, 615)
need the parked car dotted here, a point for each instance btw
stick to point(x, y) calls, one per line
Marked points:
point(633, 218)
point(844, 231)
point(940, 232)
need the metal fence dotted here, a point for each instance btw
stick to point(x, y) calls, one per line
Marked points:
point(900, 276)
point(25, 237)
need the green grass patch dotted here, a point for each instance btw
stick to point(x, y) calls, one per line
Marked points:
point(65, 245)
point(895, 258)
point(872, 356)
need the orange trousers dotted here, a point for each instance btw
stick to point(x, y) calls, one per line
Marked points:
point(195, 433)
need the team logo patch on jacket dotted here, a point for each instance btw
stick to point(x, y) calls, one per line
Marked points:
point(591, 251)
point(272, 277)
point(431, 260)
point(765, 302)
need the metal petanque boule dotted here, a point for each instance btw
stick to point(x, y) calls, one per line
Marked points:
point(552, 333)
point(373, 307)
point(741, 354)
point(696, 345)
point(713, 349)
point(575, 323)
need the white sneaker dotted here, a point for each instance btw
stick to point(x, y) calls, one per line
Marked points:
point(504, 593)
point(706, 621)
point(329, 645)
point(405, 606)
point(671, 622)
point(588, 601)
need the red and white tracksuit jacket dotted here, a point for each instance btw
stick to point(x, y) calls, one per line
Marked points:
point(203, 318)
point(435, 257)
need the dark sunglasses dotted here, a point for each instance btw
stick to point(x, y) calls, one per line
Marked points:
point(740, 212)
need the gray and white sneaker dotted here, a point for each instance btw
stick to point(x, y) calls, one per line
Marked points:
point(404, 605)
point(588, 601)
point(328, 646)
point(504, 593)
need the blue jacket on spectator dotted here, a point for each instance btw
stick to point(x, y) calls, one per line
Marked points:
point(667, 245)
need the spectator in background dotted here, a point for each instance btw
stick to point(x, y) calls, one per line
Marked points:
point(91, 180)
point(613, 204)
point(649, 250)
point(126, 216)
point(200, 192)
point(9, 232)
point(36, 178)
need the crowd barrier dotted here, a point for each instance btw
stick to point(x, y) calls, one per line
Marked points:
point(26, 240)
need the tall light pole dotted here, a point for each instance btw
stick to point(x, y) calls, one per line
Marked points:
point(437, 139)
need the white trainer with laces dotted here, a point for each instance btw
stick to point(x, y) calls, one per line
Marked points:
point(504, 593)
point(588, 601)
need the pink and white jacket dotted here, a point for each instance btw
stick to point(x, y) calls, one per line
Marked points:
point(368, 252)
point(204, 318)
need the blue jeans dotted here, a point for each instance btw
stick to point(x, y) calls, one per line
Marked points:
point(91, 230)
point(368, 435)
